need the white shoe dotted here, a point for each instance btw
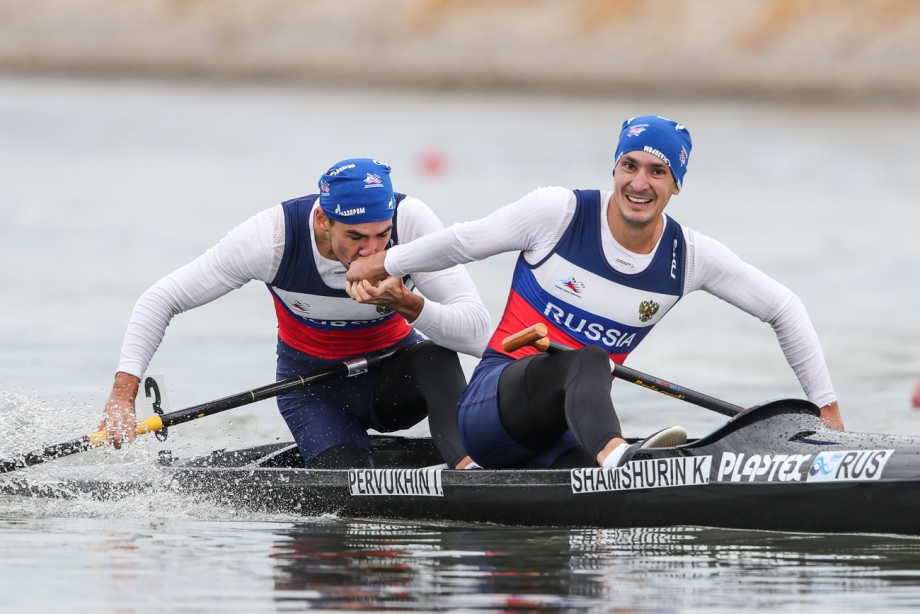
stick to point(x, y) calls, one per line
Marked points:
point(666, 438)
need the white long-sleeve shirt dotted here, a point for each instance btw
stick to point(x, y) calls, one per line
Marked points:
point(535, 223)
point(453, 315)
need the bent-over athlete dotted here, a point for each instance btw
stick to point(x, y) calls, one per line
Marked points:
point(301, 249)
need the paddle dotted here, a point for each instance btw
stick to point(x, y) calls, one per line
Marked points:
point(355, 366)
point(535, 336)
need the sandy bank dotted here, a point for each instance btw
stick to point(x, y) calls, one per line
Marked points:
point(826, 49)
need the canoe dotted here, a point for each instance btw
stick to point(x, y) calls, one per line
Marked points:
point(773, 467)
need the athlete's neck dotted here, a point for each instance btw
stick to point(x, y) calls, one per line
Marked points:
point(637, 238)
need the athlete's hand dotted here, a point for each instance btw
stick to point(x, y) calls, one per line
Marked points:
point(118, 419)
point(391, 292)
point(830, 414)
point(916, 399)
point(367, 267)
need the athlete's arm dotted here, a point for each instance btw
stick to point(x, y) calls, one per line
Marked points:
point(717, 270)
point(533, 224)
point(247, 252)
point(452, 315)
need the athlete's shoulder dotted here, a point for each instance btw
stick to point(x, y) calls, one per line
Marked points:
point(710, 259)
point(555, 195)
point(547, 202)
point(415, 219)
point(412, 206)
point(300, 201)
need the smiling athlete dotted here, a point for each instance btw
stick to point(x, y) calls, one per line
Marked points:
point(600, 269)
point(301, 249)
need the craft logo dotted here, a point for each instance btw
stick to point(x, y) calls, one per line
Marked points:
point(304, 307)
point(324, 188)
point(571, 286)
point(636, 130)
point(348, 212)
point(373, 181)
point(655, 473)
point(647, 310)
point(848, 466)
point(384, 310)
point(335, 171)
point(837, 466)
point(395, 482)
point(684, 156)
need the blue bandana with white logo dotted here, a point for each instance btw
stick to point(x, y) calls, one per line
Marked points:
point(357, 191)
point(661, 137)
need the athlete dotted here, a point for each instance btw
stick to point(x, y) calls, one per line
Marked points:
point(600, 269)
point(301, 249)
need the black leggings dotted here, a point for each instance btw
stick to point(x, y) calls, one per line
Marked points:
point(541, 396)
point(418, 380)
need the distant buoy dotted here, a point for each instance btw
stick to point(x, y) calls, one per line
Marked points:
point(432, 162)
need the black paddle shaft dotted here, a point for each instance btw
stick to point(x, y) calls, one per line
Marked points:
point(348, 368)
point(665, 387)
point(355, 366)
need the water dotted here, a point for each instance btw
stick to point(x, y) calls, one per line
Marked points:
point(108, 185)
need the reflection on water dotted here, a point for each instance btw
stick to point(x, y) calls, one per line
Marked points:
point(249, 565)
point(352, 565)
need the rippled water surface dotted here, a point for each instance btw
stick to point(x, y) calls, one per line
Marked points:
point(258, 565)
point(108, 185)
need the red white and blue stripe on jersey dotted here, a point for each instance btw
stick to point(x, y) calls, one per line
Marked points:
point(314, 318)
point(583, 300)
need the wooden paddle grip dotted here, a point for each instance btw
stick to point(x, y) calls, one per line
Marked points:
point(534, 336)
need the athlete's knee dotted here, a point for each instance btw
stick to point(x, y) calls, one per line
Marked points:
point(430, 355)
point(343, 456)
point(436, 370)
point(594, 354)
point(593, 361)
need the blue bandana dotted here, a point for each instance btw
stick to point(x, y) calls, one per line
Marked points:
point(357, 191)
point(660, 137)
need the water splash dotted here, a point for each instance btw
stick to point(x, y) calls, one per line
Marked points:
point(100, 483)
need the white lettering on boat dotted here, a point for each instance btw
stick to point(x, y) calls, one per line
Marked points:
point(823, 467)
point(655, 473)
point(395, 482)
point(848, 465)
point(763, 467)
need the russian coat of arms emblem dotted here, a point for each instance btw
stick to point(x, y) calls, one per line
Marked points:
point(647, 309)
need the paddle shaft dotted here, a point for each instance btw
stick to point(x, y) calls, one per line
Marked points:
point(348, 368)
point(535, 336)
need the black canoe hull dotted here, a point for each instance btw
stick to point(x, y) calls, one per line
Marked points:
point(545, 498)
point(775, 467)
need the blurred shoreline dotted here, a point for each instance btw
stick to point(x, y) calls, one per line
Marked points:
point(828, 51)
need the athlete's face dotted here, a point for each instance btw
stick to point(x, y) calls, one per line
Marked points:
point(643, 185)
point(346, 242)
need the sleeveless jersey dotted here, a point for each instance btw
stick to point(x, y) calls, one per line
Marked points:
point(583, 300)
point(316, 319)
